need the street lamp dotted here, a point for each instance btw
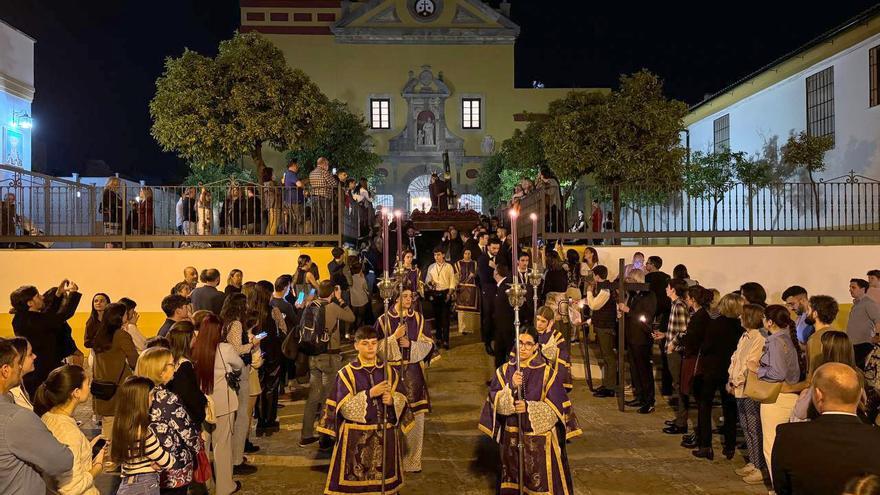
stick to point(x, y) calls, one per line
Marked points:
point(21, 119)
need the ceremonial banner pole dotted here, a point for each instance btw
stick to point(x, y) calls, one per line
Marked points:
point(534, 276)
point(400, 274)
point(516, 296)
point(386, 292)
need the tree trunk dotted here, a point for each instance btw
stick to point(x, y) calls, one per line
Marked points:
point(815, 196)
point(615, 201)
point(715, 216)
point(257, 157)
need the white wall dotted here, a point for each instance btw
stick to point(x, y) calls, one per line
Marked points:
point(18, 54)
point(781, 108)
point(16, 88)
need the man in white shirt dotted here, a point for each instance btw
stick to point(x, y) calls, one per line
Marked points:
point(440, 281)
point(521, 275)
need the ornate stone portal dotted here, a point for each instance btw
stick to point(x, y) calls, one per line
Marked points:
point(426, 133)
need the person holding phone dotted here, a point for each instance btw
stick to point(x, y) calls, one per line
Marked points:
point(56, 401)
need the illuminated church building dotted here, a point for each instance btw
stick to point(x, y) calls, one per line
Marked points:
point(429, 76)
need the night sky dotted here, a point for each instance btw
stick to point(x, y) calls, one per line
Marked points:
point(97, 61)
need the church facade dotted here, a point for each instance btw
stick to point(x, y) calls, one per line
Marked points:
point(429, 76)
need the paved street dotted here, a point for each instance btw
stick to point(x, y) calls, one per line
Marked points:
point(618, 453)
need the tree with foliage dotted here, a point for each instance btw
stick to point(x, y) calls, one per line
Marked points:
point(639, 139)
point(807, 153)
point(712, 175)
point(520, 155)
point(344, 142)
point(216, 110)
point(216, 174)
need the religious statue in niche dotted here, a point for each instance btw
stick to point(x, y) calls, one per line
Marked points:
point(426, 133)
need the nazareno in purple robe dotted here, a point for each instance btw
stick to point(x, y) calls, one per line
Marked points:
point(558, 356)
point(547, 423)
point(354, 420)
point(409, 362)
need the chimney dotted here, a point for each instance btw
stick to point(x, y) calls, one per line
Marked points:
point(504, 8)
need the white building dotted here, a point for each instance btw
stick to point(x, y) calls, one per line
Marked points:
point(829, 86)
point(16, 96)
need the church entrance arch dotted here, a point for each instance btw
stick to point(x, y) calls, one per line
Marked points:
point(418, 197)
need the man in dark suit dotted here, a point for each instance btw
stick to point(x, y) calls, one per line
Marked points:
point(658, 280)
point(502, 316)
point(207, 296)
point(486, 272)
point(819, 457)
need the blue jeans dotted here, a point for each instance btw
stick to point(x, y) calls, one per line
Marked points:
point(139, 484)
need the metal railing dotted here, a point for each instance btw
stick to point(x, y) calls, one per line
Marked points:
point(234, 214)
point(843, 207)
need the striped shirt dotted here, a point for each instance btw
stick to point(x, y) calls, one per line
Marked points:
point(677, 326)
point(153, 454)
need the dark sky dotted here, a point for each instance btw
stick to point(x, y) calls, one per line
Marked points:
point(97, 60)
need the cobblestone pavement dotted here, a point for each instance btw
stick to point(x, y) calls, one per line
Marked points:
point(619, 453)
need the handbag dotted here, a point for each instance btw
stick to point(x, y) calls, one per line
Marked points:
point(760, 391)
point(689, 367)
point(102, 390)
point(202, 472)
point(233, 378)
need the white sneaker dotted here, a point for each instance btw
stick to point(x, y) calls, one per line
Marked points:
point(745, 470)
point(756, 477)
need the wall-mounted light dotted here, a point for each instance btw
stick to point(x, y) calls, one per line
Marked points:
point(21, 120)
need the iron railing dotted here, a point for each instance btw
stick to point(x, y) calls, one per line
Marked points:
point(119, 214)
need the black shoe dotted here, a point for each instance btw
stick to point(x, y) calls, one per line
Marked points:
point(237, 488)
point(675, 430)
point(729, 452)
point(646, 409)
point(305, 442)
point(489, 350)
point(244, 469)
point(250, 448)
point(633, 403)
point(604, 392)
point(446, 345)
point(669, 422)
point(273, 426)
point(689, 441)
point(704, 453)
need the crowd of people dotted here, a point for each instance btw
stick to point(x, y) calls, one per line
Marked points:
point(208, 384)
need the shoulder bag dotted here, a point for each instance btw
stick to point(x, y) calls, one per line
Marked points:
point(103, 390)
point(760, 391)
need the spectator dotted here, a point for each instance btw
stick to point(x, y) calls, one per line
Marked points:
point(191, 276)
point(323, 367)
point(638, 263)
point(271, 201)
point(207, 296)
point(676, 328)
point(716, 351)
point(112, 209)
point(364, 203)
point(754, 293)
point(797, 301)
point(232, 213)
point(602, 302)
point(218, 368)
point(253, 212)
point(639, 310)
point(185, 383)
point(589, 261)
point(608, 224)
point(190, 216)
point(169, 420)
point(294, 197)
point(680, 272)
point(131, 319)
point(176, 308)
point(863, 325)
point(135, 444)
point(43, 322)
point(874, 285)
point(323, 188)
point(306, 276)
point(699, 300)
point(8, 217)
point(281, 289)
point(746, 360)
point(548, 183)
point(181, 289)
point(241, 339)
point(56, 401)
point(819, 457)
point(337, 269)
point(115, 358)
point(658, 280)
point(836, 348)
point(100, 301)
point(178, 213)
point(24, 349)
point(580, 223)
point(596, 221)
point(822, 312)
point(270, 321)
point(233, 282)
point(453, 246)
point(555, 280)
point(27, 447)
point(205, 212)
point(780, 363)
point(145, 219)
point(360, 296)
point(159, 341)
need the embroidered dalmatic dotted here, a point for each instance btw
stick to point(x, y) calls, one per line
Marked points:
point(558, 355)
point(547, 423)
point(355, 420)
point(410, 364)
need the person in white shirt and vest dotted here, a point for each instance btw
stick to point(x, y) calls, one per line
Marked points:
point(440, 281)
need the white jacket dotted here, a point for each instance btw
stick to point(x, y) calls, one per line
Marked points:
point(77, 481)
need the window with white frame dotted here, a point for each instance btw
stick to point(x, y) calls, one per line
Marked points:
point(380, 113)
point(721, 126)
point(471, 109)
point(471, 202)
point(820, 103)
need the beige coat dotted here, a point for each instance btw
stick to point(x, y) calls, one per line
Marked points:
point(114, 365)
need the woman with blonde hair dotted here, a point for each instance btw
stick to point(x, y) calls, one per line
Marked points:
point(836, 348)
point(205, 212)
point(169, 420)
point(234, 281)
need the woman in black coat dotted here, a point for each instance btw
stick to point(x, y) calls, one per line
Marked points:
point(719, 343)
point(698, 300)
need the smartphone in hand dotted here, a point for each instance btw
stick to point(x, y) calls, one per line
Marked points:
point(98, 446)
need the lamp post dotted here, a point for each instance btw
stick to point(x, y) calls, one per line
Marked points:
point(21, 119)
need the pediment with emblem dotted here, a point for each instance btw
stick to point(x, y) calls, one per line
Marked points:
point(424, 22)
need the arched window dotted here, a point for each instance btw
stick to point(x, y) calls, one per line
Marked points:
point(386, 200)
point(471, 202)
point(419, 197)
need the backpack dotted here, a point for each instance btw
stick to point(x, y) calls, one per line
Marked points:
point(314, 339)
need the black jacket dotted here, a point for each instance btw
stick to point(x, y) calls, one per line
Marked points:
point(819, 457)
point(642, 307)
point(185, 384)
point(474, 246)
point(658, 281)
point(502, 317)
point(49, 335)
point(486, 275)
point(719, 343)
point(453, 248)
point(207, 297)
point(696, 332)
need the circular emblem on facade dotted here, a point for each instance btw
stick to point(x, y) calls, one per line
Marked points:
point(382, 172)
point(472, 173)
point(424, 10)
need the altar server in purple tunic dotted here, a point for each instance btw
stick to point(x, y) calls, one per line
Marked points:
point(554, 347)
point(547, 422)
point(363, 395)
point(411, 349)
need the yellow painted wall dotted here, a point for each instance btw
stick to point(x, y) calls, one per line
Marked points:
point(146, 275)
